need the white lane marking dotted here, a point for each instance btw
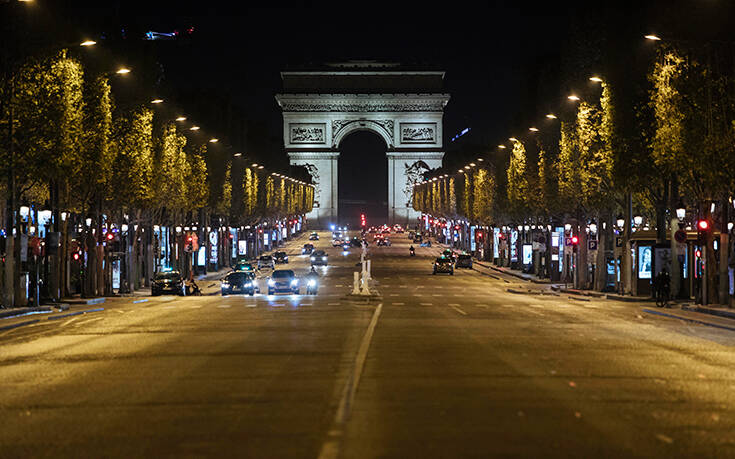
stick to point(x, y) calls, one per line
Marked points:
point(425, 304)
point(436, 294)
point(195, 306)
point(398, 304)
point(277, 305)
point(121, 312)
point(251, 305)
point(404, 286)
point(330, 448)
point(69, 321)
point(339, 285)
point(169, 307)
point(453, 304)
point(333, 304)
point(394, 294)
point(459, 310)
point(224, 306)
point(535, 312)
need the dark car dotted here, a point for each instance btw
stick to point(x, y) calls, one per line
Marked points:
point(314, 236)
point(244, 266)
point(443, 265)
point(463, 261)
point(356, 242)
point(449, 254)
point(168, 281)
point(283, 280)
point(319, 258)
point(280, 257)
point(307, 249)
point(239, 282)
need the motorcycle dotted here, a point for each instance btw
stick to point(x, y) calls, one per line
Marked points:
point(312, 285)
point(413, 251)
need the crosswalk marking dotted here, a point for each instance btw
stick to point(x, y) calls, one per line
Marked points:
point(224, 306)
point(398, 304)
point(333, 304)
point(426, 304)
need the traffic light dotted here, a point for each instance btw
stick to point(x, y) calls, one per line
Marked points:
point(110, 236)
point(479, 236)
point(702, 225)
point(363, 222)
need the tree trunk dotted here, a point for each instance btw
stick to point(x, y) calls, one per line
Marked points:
point(600, 261)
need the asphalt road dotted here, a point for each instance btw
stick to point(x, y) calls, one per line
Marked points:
point(441, 366)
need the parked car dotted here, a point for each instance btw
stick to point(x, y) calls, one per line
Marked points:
point(168, 281)
point(280, 257)
point(239, 282)
point(283, 280)
point(463, 261)
point(266, 261)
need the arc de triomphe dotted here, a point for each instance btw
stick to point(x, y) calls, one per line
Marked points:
point(403, 106)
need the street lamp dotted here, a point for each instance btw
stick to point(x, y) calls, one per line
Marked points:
point(88, 43)
point(122, 71)
point(533, 129)
point(573, 97)
point(157, 101)
point(596, 79)
point(237, 154)
point(181, 118)
point(512, 139)
point(213, 140)
point(551, 116)
point(652, 37)
point(681, 211)
point(620, 221)
point(502, 147)
point(194, 128)
point(638, 220)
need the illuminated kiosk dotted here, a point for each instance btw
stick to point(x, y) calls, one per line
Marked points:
point(404, 106)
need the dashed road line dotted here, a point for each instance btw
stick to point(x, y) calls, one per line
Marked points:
point(459, 310)
point(333, 304)
point(223, 306)
point(398, 304)
point(426, 304)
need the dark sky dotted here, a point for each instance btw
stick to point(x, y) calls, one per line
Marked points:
point(502, 60)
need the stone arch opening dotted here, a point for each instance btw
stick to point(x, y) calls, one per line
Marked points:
point(363, 177)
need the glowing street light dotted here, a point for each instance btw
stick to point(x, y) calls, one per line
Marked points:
point(502, 147)
point(213, 140)
point(473, 164)
point(194, 128)
point(533, 129)
point(254, 165)
point(467, 167)
point(260, 167)
point(652, 37)
point(551, 116)
point(123, 71)
point(513, 139)
point(88, 43)
point(596, 79)
point(573, 97)
point(181, 118)
point(157, 101)
point(460, 171)
point(237, 154)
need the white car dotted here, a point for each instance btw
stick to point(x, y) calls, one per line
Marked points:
point(266, 261)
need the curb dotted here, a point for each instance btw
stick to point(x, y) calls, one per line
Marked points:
point(89, 301)
point(628, 299)
point(11, 313)
point(689, 319)
point(711, 311)
point(20, 324)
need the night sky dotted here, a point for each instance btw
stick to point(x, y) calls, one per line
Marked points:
point(502, 61)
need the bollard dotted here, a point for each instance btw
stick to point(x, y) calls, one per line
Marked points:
point(356, 284)
point(365, 289)
point(369, 276)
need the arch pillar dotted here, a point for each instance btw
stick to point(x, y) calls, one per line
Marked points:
point(404, 170)
point(322, 165)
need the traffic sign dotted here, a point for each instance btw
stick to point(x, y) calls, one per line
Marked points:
point(680, 236)
point(592, 244)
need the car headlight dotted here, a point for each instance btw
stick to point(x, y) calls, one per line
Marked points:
point(313, 258)
point(294, 282)
point(271, 282)
point(225, 284)
point(311, 283)
point(324, 258)
point(248, 284)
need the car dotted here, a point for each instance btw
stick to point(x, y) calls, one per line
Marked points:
point(168, 281)
point(463, 261)
point(355, 242)
point(283, 280)
point(244, 266)
point(319, 257)
point(280, 257)
point(383, 241)
point(443, 265)
point(337, 242)
point(314, 236)
point(449, 254)
point(266, 261)
point(307, 249)
point(336, 235)
point(411, 235)
point(239, 282)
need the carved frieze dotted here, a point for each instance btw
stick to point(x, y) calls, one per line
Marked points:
point(434, 106)
point(307, 132)
point(418, 132)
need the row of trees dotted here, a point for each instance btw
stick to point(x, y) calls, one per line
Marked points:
point(624, 147)
point(67, 147)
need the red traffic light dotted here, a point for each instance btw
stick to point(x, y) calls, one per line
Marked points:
point(76, 256)
point(703, 225)
point(110, 236)
point(698, 253)
point(575, 240)
point(479, 235)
